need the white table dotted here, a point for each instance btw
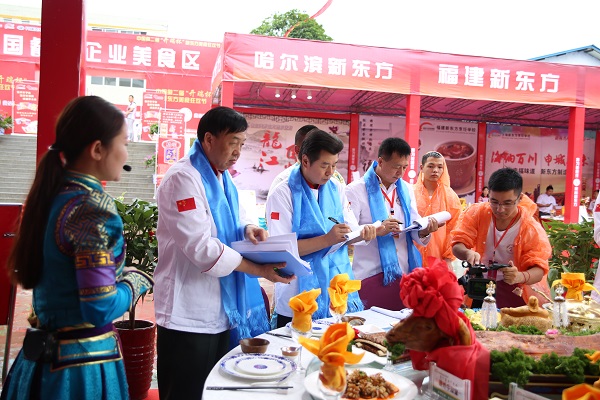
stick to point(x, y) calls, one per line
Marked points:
point(220, 378)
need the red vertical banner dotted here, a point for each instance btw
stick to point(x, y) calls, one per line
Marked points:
point(152, 104)
point(25, 114)
point(353, 146)
point(169, 151)
point(413, 119)
point(574, 164)
point(480, 171)
point(172, 123)
point(596, 185)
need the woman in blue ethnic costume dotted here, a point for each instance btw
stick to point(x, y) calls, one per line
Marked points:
point(75, 263)
point(315, 207)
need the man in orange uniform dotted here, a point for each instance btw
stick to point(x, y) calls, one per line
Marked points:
point(505, 231)
point(434, 194)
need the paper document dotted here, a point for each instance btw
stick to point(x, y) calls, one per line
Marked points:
point(275, 249)
point(350, 236)
point(421, 223)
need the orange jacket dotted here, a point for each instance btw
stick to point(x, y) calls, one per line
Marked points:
point(443, 199)
point(531, 247)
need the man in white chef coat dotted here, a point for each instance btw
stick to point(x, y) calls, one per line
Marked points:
point(204, 299)
point(312, 205)
point(381, 194)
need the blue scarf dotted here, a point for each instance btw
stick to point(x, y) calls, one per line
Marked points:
point(387, 247)
point(241, 295)
point(309, 219)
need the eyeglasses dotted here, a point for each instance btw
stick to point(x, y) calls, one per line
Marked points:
point(506, 204)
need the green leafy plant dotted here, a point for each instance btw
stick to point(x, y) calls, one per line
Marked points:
point(6, 122)
point(150, 161)
point(573, 249)
point(140, 219)
point(154, 129)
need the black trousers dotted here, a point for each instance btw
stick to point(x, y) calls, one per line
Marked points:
point(283, 321)
point(184, 360)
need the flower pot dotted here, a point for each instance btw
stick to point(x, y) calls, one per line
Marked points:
point(138, 355)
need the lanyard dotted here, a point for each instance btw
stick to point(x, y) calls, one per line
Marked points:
point(497, 243)
point(390, 201)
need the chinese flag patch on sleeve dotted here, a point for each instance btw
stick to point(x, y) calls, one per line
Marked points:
point(186, 204)
point(597, 208)
point(275, 215)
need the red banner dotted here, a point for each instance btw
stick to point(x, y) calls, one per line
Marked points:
point(152, 103)
point(25, 106)
point(172, 123)
point(170, 150)
point(180, 69)
point(346, 66)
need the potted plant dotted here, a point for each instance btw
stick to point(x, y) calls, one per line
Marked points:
point(573, 249)
point(140, 219)
point(154, 131)
point(6, 123)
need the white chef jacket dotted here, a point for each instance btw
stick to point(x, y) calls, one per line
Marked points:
point(187, 291)
point(546, 199)
point(366, 261)
point(279, 205)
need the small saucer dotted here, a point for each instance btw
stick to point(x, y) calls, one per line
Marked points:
point(260, 366)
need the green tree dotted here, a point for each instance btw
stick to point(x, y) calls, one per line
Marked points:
point(278, 25)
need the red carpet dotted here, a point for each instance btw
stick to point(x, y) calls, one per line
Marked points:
point(152, 394)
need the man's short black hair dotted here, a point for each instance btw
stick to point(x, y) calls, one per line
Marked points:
point(549, 187)
point(221, 120)
point(506, 179)
point(393, 145)
point(301, 134)
point(317, 140)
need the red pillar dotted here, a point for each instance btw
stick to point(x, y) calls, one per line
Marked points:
point(574, 164)
point(61, 59)
point(227, 94)
point(413, 118)
point(596, 183)
point(353, 146)
point(480, 170)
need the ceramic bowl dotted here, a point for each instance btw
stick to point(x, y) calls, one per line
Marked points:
point(254, 345)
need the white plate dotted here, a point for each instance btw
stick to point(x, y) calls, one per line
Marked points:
point(229, 366)
point(259, 366)
point(367, 358)
point(408, 390)
point(317, 329)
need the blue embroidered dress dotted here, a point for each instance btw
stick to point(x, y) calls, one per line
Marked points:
point(78, 298)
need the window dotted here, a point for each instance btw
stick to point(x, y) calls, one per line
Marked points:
point(138, 83)
point(122, 82)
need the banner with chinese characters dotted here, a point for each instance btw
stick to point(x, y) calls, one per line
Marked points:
point(180, 69)
point(540, 155)
point(25, 96)
point(456, 140)
point(254, 58)
point(152, 103)
point(168, 151)
point(269, 149)
point(172, 123)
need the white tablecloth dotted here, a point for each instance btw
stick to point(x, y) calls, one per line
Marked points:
point(220, 378)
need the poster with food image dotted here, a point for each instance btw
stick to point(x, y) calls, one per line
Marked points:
point(540, 155)
point(269, 149)
point(25, 94)
point(456, 140)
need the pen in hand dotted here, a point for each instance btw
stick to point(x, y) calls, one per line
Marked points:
point(335, 221)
